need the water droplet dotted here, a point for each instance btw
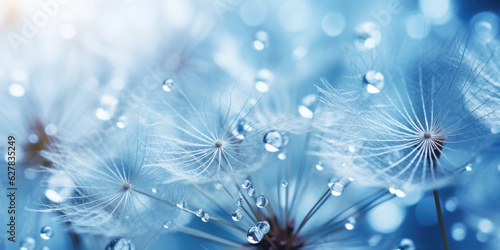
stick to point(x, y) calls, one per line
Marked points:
point(398, 192)
point(284, 184)
point(120, 244)
point(468, 168)
point(406, 244)
point(319, 166)
point(107, 108)
point(264, 226)
point(254, 235)
point(28, 243)
point(451, 204)
point(374, 81)
point(167, 224)
point(246, 184)
point(168, 85)
point(367, 36)
point(261, 40)
point(251, 191)
point(338, 187)
point(261, 201)
point(239, 201)
point(263, 79)
point(16, 90)
point(350, 224)
point(122, 122)
point(182, 204)
point(46, 232)
point(282, 156)
point(273, 141)
point(241, 129)
point(308, 104)
point(33, 138)
point(199, 212)
point(237, 215)
point(205, 217)
point(154, 190)
point(458, 231)
point(50, 129)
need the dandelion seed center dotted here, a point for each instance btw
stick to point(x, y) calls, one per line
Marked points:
point(127, 186)
point(218, 144)
point(427, 135)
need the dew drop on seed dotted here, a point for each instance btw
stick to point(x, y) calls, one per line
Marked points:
point(284, 184)
point(199, 212)
point(367, 36)
point(331, 181)
point(468, 168)
point(239, 201)
point(241, 129)
point(337, 188)
point(350, 224)
point(282, 156)
point(262, 80)
point(264, 226)
point(254, 235)
point(261, 201)
point(120, 244)
point(122, 122)
point(182, 204)
point(237, 214)
point(154, 190)
point(373, 81)
point(46, 232)
point(168, 85)
point(251, 191)
point(33, 138)
point(261, 40)
point(205, 217)
point(246, 184)
point(406, 244)
point(307, 106)
point(273, 141)
point(167, 224)
point(319, 166)
point(28, 243)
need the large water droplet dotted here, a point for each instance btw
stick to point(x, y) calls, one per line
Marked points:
point(367, 36)
point(237, 215)
point(120, 244)
point(338, 187)
point(199, 212)
point(168, 85)
point(273, 141)
point(374, 81)
point(246, 184)
point(261, 40)
point(261, 201)
point(254, 235)
point(28, 243)
point(46, 232)
point(406, 244)
point(308, 103)
point(239, 201)
point(264, 226)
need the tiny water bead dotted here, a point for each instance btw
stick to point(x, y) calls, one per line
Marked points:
point(263, 79)
point(205, 217)
point(261, 201)
point(254, 235)
point(367, 36)
point(282, 156)
point(154, 191)
point(246, 184)
point(261, 40)
point(251, 191)
point(200, 212)
point(373, 81)
point(350, 224)
point(122, 122)
point(284, 184)
point(406, 244)
point(182, 204)
point(168, 85)
point(319, 166)
point(237, 215)
point(468, 168)
point(120, 244)
point(337, 187)
point(167, 224)
point(308, 105)
point(398, 192)
point(273, 141)
point(28, 243)
point(46, 232)
point(241, 129)
point(239, 201)
point(264, 226)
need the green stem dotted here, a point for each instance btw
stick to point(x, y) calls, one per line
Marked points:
point(440, 218)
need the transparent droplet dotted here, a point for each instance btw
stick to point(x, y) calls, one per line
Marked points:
point(154, 190)
point(237, 215)
point(319, 166)
point(28, 243)
point(246, 184)
point(167, 224)
point(182, 204)
point(251, 191)
point(199, 212)
point(398, 192)
point(239, 201)
point(107, 108)
point(406, 244)
point(241, 129)
point(168, 85)
point(120, 244)
point(122, 122)
point(261, 201)
point(205, 217)
point(254, 235)
point(261, 40)
point(264, 226)
point(263, 79)
point(468, 168)
point(367, 36)
point(16, 90)
point(46, 232)
point(308, 104)
point(373, 81)
point(50, 129)
point(337, 187)
point(273, 141)
point(284, 184)
point(350, 224)
point(59, 188)
point(33, 138)
point(282, 156)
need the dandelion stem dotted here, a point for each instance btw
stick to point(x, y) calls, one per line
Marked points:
point(440, 218)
